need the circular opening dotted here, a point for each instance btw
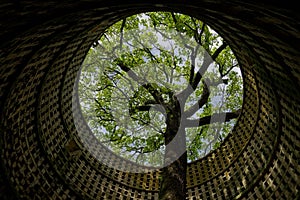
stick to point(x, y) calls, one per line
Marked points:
point(155, 77)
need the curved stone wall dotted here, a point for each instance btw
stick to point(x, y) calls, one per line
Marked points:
point(42, 153)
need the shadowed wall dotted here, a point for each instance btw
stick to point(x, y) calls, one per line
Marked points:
point(42, 155)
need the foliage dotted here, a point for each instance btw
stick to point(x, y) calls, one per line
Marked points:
point(139, 64)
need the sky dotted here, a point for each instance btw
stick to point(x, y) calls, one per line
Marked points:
point(168, 45)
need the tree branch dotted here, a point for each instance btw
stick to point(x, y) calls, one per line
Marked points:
point(217, 117)
point(148, 107)
point(162, 34)
point(186, 45)
point(122, 34)
point(207, 60)
point(200, 34)
point(200, 103)
point(219, 50)
point(193, 63)
point(184, 94)
point(154, 91)
point(229, 70)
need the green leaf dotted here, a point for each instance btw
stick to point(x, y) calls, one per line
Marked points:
point(157, 47)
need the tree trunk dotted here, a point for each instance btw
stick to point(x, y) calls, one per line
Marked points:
point(173, 177)
point(173, 183)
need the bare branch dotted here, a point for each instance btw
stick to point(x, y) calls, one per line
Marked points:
point(217, 117)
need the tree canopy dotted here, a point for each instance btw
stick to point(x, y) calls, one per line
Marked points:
point(150, 71)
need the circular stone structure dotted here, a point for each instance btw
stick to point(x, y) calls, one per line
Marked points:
point(43, 44)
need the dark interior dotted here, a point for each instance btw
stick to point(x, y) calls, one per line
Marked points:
point(43, 156)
